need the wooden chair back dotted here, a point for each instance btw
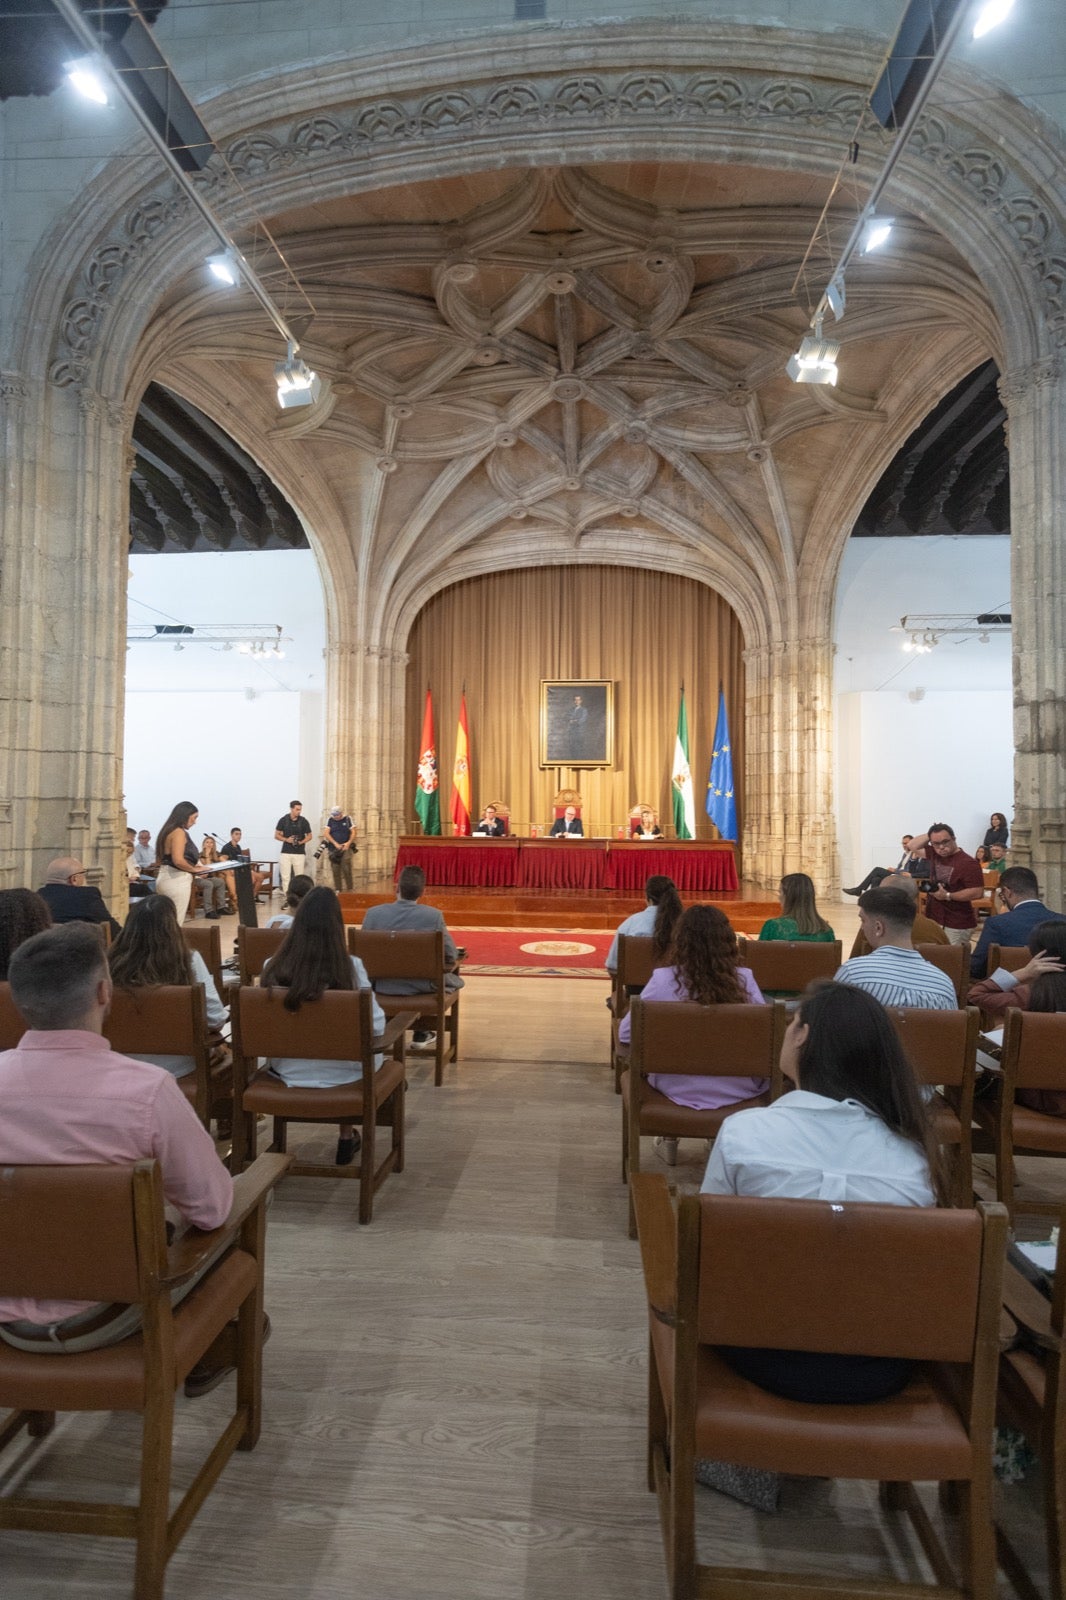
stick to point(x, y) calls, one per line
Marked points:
point(564, 798)
point(636, 963)
point(1009, 957)
point(206, 939)
point(787, 966)
point(1034, 1049)
point(165, 1020)
point(954, 959)
point(1033, 1057)
point(941, 1046)
point(388, 954)
point(335, 1027)
point(70, 1207)
point(255, 946)
point(12, 1026)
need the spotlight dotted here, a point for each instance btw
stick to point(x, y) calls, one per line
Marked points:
point(84, 75)
point(815, 360)
point(983, 638)
point(909, 645)
point(875, 233)
point(836, 296)
point(224, 269)
point(179, 647)
point(297, 384)
point(990, 15)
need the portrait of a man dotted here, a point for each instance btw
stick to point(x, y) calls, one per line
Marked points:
point(576, 723)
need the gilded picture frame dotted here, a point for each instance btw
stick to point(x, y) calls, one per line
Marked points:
point(576, 722)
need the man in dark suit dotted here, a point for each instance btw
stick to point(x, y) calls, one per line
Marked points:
point(70, 899)
point(569, 822)
point(490, 824)
point(1020, 893)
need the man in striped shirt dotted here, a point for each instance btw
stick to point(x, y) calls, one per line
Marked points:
point(895, 973)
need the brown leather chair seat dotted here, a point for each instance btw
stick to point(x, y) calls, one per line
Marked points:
point(1038, 1133)
point(267, 1094)
point(661, 1115)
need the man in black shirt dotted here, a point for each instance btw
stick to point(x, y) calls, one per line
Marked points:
point(234, 852)
point(293, 831)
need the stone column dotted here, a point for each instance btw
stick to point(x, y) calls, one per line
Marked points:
point(1035, 398)
point(788, 792)
point(365, 746)
point(64, 541)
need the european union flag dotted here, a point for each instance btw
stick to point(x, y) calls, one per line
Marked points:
point(721, 806)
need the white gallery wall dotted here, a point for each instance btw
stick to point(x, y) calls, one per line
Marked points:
point(238, 737)
point(919, 738)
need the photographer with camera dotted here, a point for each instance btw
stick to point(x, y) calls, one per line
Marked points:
point(339, 843)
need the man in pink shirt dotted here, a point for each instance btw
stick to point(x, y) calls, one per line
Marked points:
point(67, 1098)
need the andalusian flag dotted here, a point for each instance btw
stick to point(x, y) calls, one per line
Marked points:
point(721, 803)
point(684, 801)
point(461, 775)
point(427, 792)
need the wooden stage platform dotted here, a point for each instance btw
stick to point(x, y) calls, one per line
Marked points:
point(561, 909)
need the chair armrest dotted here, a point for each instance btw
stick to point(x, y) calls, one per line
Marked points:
point(250, 1189)
point(657, 1232)
point(1030, 1309)
point(393, 1029)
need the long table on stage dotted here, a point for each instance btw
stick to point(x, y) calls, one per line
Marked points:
point(699, 866)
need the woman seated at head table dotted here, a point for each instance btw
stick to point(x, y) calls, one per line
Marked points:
point(1038, 986)
point(800, 918)
point(149, 952)
point(704, 968)
point(855, 1129)
point(645, 826)
point(314, 958)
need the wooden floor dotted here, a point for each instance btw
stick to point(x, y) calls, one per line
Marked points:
point(455, 1395)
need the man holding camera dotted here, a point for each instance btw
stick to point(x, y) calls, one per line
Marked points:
point(339, 842)
point(955, 881)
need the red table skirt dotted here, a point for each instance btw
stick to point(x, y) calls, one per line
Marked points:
point(562, 864)
point(695, 867)
point(462, 862)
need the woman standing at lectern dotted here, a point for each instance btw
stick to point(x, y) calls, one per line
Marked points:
point(177, 857)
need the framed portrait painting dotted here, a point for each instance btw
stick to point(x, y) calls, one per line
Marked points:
point(576, 722)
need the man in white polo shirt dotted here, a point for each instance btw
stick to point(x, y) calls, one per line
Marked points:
point(895, 973)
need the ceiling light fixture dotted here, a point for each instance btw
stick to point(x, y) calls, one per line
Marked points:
point(815, 360)
point(990, 15)
point(297, 384)
point(224, 269)
point(875, 233)
point(837, 297)
point(85, 76)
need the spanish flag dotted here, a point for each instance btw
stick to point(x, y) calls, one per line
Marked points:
point(460, 807)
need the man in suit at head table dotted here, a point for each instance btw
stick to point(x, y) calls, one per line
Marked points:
point(491, 825)
point(569, 823)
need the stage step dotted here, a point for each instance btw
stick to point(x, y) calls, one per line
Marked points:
point(562, 910)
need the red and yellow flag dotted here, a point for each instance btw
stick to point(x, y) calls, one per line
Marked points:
point(460, 807)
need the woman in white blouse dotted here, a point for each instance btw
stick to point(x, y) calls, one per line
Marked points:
point(149, 951)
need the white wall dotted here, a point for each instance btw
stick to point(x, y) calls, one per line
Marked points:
point(238, 737)
point(919, 739)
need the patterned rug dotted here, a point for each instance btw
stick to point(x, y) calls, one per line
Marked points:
point(533, 952)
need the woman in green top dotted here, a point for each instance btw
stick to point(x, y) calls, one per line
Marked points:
point(799, 919)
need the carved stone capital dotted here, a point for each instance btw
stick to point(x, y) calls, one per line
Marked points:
point(14, 391)
point(1023, 382)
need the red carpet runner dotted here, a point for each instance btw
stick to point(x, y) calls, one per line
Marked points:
point(533, 953)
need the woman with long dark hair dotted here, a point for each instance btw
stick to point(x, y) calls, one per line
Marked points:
point(22, 914)
point(313, 958)
point(150, 952)
point(177, 858)
point(300, 885)
point(800, 918)
point(704, 968)
point(994, 843)
point(657, 918)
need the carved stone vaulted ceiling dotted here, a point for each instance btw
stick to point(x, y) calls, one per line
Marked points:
point(586, 364)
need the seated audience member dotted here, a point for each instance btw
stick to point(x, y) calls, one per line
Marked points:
point(957, 882)
point(1038, 986)
point(144, 852)
point(645, 826)
point(491, 825)
point(800, 918)
point(69, 898)
point(994, 843)
point(910, 861)
point(895, 972)
point(137, 886)
point(214, 886)
point(314, 958)
point(232, 851)
point(150, 951)
point(568, 824)
point(405, 915)
point(299, 886)
point(22, 914)
point(922, 932)
point(705, 969)
point(657, 920)
point(854, 1129)
point(66, 1098)
point(1020, 893)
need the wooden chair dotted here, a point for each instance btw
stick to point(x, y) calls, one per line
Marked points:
point(564, 798)
point(942, 1048)
point(894, 1281)
point(336, 1027)
point(170, 1020)
point(1033, 1057)
point(206, 939)
point(954, 959)
point(417, 958)
point(635, 967)
point(1008, 956)
point(986, 906)
point(255, 946)
point(739, 1041)
point(787, 966)
point(106, 1235)
point(12, 1026)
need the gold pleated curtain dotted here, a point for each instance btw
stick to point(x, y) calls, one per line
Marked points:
point(647, 632)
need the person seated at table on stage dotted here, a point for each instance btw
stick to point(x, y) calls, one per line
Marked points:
point(704, 968)
point(314, 958)
point(69, 898)
point(658, 919)
point(923, 931)
point(150, 951)
point(645, 825)
point(491, 825)
point(22, 914)
point(1038, 986)
point(569, 824)
point(144, 852)
point(214, 886)
point(800, 918)
point(234, 851)
point(912, 861)
point(299, 888)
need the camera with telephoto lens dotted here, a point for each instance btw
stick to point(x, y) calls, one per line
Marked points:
point(317, 855)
